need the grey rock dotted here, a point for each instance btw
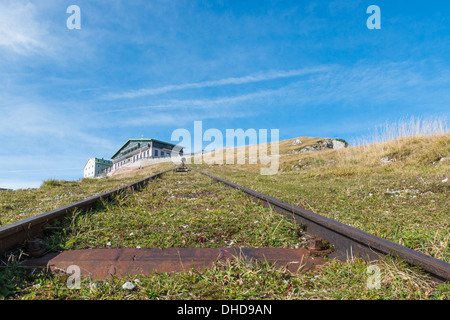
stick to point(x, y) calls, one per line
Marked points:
point(308, 149)
point(338, 144)
point(128, 286)
point(325, 144)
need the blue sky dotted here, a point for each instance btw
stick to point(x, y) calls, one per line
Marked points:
point(307, 68)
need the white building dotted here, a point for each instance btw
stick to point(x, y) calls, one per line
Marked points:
point(136, 149)
point(133, 152)
point(94, 167)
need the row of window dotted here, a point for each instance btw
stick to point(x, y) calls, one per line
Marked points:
point(125, 152)
point(145, 154)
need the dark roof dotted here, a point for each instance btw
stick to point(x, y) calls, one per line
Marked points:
point(100, 161)
point(141, 140)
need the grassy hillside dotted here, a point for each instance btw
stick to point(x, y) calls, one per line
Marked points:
point(16, 205)
point(396, 190)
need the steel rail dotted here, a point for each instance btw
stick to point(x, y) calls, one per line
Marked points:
point(16, 234)
point(104, 263)
point(349, 241)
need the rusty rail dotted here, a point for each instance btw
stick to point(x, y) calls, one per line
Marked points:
point(15, 235)
point(349, 241)
point(104, 263)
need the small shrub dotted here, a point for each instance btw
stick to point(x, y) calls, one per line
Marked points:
point(51, 183)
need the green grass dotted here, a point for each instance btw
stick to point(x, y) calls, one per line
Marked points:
point(238, 280)
point(405, 202)
point(172, 212)
point(179, 210)
point(412, 211)
point(16, 205)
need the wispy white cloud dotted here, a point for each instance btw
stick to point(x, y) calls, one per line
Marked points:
point(197, 104)
point(412, 81)
point(216, 83)
point(30, 170)
point(176, 119)
point(20, 31)
point(36, 122)
point(360, 83)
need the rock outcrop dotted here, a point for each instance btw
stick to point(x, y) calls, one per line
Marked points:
point(325, 144)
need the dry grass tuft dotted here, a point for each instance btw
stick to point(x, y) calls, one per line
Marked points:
point(405, 282)
point(412, 127)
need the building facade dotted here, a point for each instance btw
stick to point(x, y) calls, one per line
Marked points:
point(131, 154)
point(136, 149)
point(95, 167)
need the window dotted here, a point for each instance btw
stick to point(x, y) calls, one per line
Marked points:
point(156, 153)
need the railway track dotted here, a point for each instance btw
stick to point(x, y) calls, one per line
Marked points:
point(345, 240)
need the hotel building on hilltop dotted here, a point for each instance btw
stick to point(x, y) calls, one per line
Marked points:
point(135, 150)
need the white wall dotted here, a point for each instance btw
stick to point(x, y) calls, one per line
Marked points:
point(93, 169)
point(89, 168)
point(147, 162)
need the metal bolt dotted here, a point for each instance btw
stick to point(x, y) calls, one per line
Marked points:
point(315, 244)
point(33, 247)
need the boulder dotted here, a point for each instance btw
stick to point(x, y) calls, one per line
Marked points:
point(338, 144)
point(325, 144)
